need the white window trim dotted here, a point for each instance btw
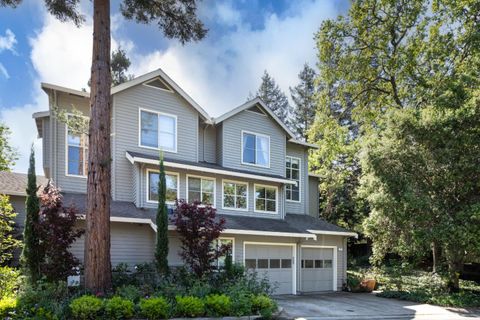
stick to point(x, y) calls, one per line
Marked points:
point(294, 257)
point(158, 78)
point(223, 194)
point(158, 114)
point(147, 193)
point(299, 180)
point(254, 164)
point(214, 204)
point(255, 199)
point(233, 247)
point(84, 176)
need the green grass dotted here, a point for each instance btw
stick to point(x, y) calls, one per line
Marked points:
point(422, 287)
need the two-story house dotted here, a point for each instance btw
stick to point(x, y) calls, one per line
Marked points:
point(246, 163)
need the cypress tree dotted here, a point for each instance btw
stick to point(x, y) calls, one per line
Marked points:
point(161, 251)
point(31, 254)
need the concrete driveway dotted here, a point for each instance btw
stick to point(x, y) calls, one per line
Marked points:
point(359, 306)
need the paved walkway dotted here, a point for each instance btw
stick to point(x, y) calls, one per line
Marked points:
point(363, 306)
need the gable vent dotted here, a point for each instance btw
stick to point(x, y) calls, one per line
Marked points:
point(159, 84)
point(256, 110)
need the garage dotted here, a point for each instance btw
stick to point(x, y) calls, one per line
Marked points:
point(275, 261)
point(318, 269)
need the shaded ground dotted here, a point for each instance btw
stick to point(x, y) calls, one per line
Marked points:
point(359, 306)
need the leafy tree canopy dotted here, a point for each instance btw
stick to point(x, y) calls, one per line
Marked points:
point(8, 154)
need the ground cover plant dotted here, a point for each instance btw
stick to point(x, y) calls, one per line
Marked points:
point(419, 286)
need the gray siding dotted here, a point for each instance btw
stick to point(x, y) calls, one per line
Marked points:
point(313, 202)
point(130, 243)
point(219, 144)
point(300, 207)
point(65, 182)
point(18, 204)
point(253, 122)
point(126, 123)
point(218, 192)
point(210, 144)
point(46, 142)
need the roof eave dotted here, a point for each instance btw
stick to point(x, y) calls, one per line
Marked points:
point(334, 233)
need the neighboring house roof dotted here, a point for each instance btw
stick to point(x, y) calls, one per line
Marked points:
point(203, 166)
point(15, 184)
point(294, 225)
point(259, 102)
point(136, 81)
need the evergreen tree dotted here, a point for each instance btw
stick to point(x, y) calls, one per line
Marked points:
point(161, 251)
point(303, 96)
point(274, 98)
point(119, 66)
point(31, 255)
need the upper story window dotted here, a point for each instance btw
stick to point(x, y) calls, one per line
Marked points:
point(235, 195)
point(77, 153)
point(255, 149)
point(172, 192)
point(201, 189)
point(265, 199)
point(292, 166)
point(158, 130)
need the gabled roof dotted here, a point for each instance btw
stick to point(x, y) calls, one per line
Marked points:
point(136, 81)
point(159, 73)
point(15, 184)
point(259, 103)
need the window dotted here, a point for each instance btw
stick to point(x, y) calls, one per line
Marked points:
point(251, 263)
point(171, 180)
point(262, 263)
point(286, 263)
point(201, 189)
point(274, 263)
point(158, 131)
point(292, 167)
point(77, 153)
point(265, 199)
point(235, 195)
point(327, 263)
point(218, 243)
point(255, 149)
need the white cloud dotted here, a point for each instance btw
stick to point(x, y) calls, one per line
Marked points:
point(8, 41)
point(4, 71)
point(220, 73)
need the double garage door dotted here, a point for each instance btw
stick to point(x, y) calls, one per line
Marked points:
point(277, 263)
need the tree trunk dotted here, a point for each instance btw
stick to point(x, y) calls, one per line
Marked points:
point(434, 258)
point(98, 276)
point(455, 266)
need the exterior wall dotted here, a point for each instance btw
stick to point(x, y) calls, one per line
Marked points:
point(130, 243)
point(18, 204)
point(218, 191)
point(59, 147)
point(219, 144)
point(126, 124)
point(46, 143)
point(207, 143)
point(256, 123)
point(300, 207)
point(313, 199)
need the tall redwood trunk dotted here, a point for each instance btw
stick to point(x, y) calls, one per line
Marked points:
point(98, 276)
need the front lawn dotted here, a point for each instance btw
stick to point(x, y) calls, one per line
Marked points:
point(420, 286)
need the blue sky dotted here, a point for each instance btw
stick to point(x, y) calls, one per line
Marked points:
point(244, 39)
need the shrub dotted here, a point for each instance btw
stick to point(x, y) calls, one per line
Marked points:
point(119, 308)
point(264, 305)
point(241, 300)
point(9, 281)
point(7, 305)
point(218, 305)
point(154, 308)
point(189, 306)
point(86, 307)
point(129, 292)
point(121, 276)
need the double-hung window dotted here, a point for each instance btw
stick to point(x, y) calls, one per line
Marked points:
point(77, 153)
point(265, 199)
point(171, 180)
point(158, 130)
point(235, 195)
point(255, 149)
point(220, 262)
point(292, 167)
point(201, 189)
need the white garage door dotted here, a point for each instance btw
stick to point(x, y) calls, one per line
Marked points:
point(275, 262)
point(317, 269)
